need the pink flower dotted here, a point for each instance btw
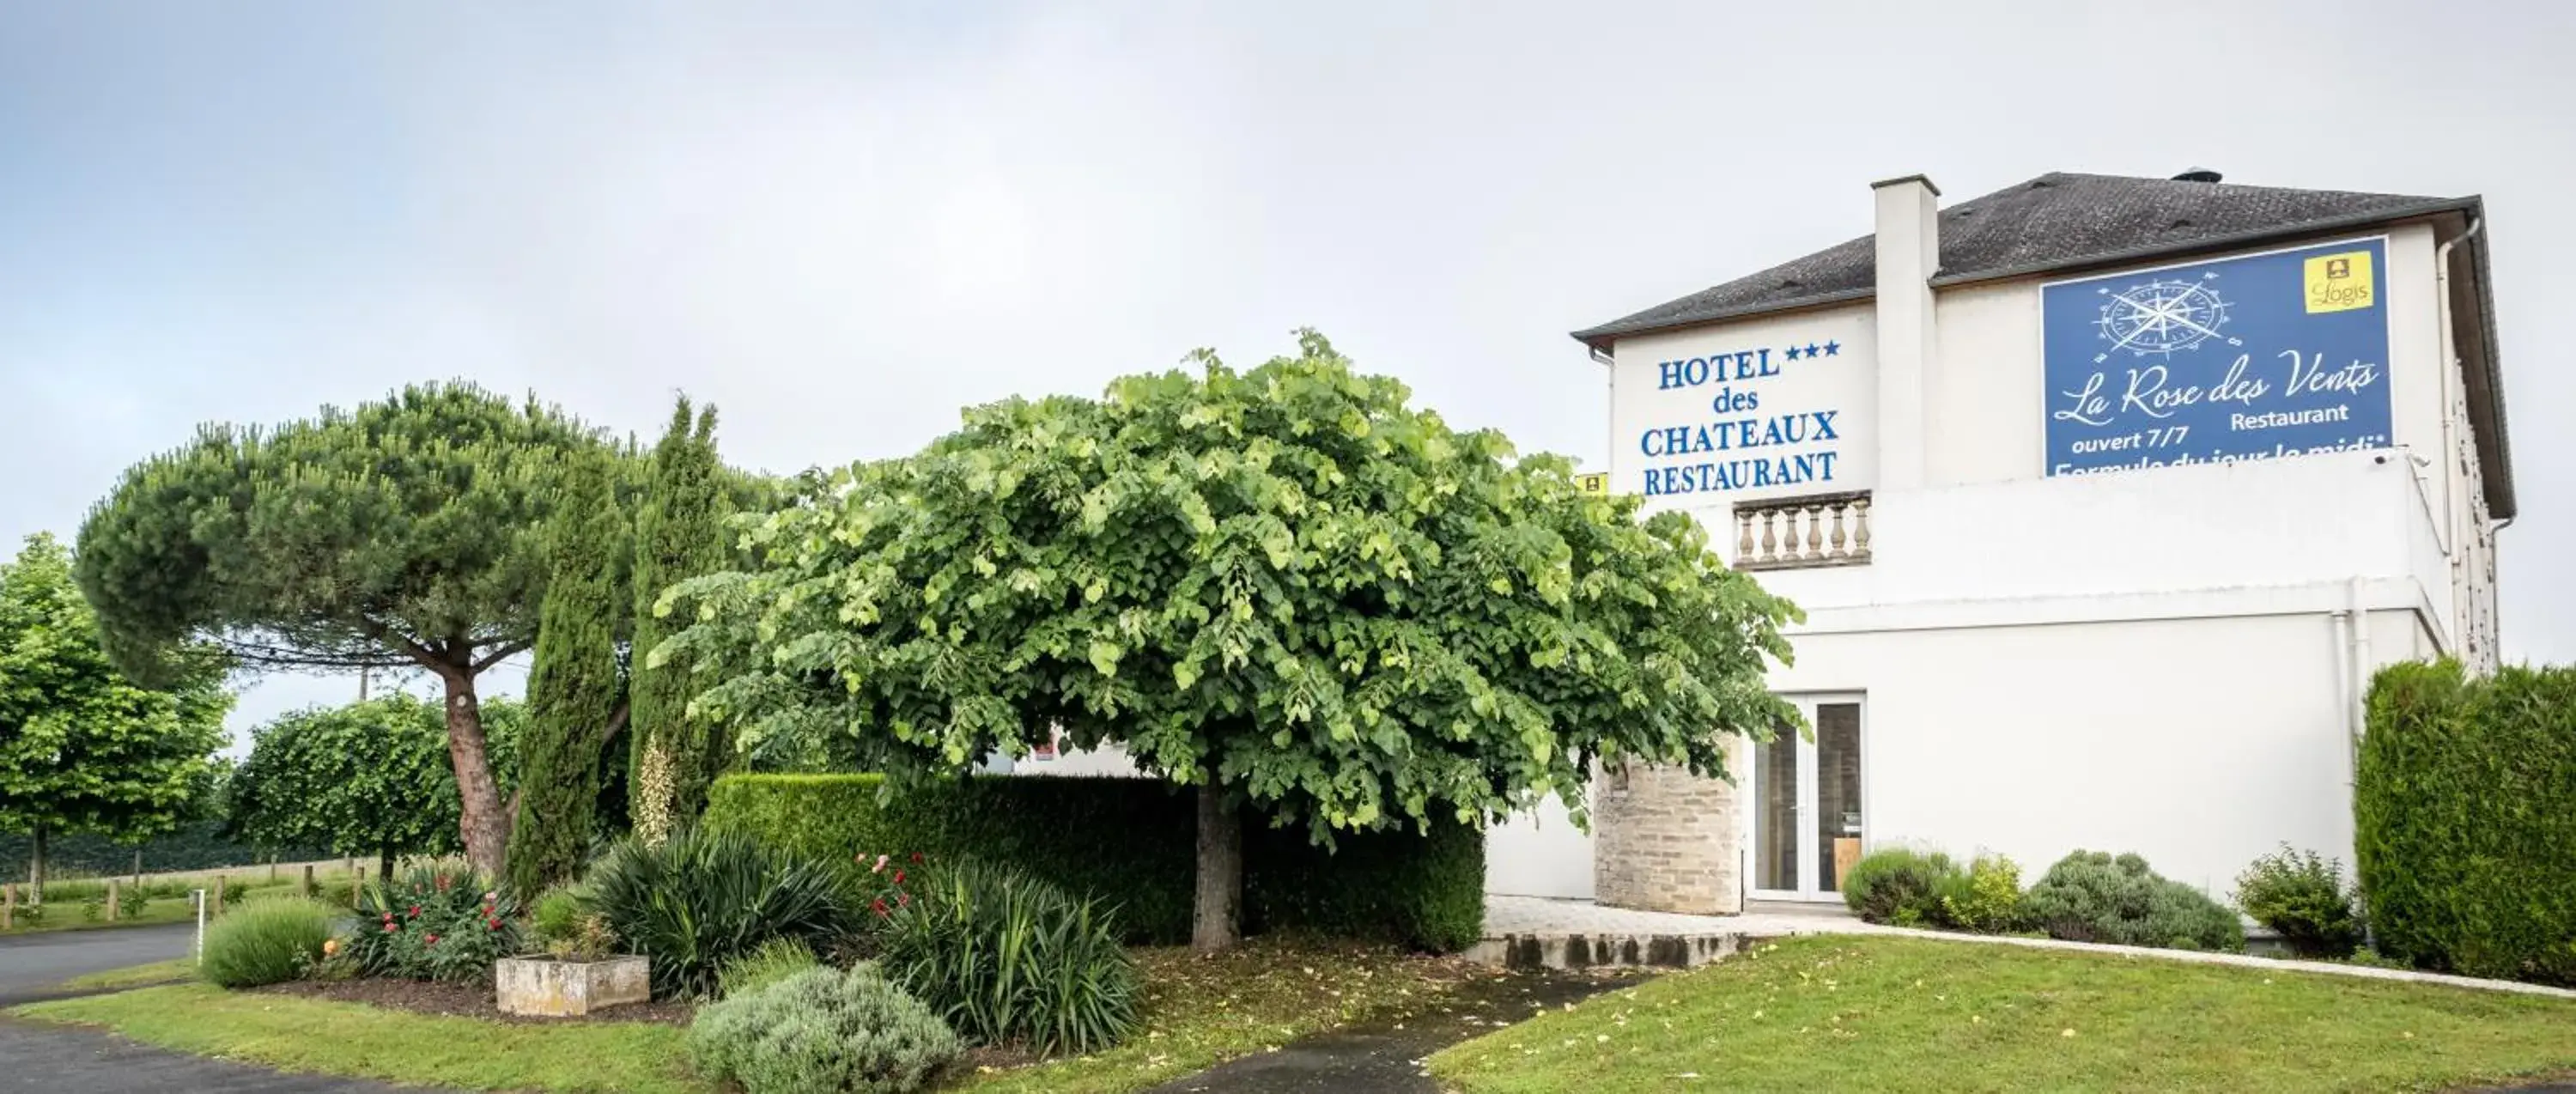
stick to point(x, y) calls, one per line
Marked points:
point(902, 899)
point(415, 911)
point(433, 940)
point(389, 927)
point(879, 868)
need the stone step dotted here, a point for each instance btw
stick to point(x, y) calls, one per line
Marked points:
point(1571, 950)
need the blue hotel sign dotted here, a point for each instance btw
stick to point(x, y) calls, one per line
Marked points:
point(2269, 355)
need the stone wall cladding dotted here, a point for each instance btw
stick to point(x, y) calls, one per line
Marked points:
point(1664, 840)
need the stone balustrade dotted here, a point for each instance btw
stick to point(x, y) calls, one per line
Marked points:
point(1797, 533)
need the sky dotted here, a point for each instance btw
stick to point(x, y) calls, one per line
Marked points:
point(841, 222)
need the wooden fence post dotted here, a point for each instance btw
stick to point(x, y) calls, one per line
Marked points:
point(306, 889)
point(111, 900)
point(218, 909)
point(8, 906)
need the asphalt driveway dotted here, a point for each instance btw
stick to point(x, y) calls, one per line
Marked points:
point(67, 1060)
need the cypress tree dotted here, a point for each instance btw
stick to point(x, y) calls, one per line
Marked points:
point(574, 689)
point(679, 534)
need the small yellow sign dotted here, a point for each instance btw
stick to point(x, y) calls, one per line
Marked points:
point(1595, 483)
point(2341, 282)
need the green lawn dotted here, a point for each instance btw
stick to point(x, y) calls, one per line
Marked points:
point(314, 1035)
point(71, 915)
point(1903, 1014)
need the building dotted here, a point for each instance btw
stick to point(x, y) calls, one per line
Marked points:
point(2103, 498)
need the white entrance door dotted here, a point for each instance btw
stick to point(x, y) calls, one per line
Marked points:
point(1806, 804)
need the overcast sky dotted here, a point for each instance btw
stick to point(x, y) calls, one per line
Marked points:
point(842, 221)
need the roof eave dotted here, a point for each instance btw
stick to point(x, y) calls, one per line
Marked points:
point(1602, 336)
point(2232, 241)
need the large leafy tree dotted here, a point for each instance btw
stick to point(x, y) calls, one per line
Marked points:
point(679, 534)
point(407, 534)
point(370, 778)
point(576, 693)
point(83, 748)
point(1287, 588)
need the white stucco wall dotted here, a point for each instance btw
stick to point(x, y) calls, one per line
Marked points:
point(2198, 743)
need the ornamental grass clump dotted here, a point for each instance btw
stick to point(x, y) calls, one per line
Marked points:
point(823, 1030)
point(703, 897)
point(775, 960)
point(1008, 958)
point(265, 942)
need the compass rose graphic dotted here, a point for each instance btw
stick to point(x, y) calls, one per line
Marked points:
point(2162, 317)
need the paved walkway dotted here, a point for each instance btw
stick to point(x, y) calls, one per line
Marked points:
point(1520, 915)
point(70, 1060)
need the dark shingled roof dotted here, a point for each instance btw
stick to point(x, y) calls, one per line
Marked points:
point(2062, 221)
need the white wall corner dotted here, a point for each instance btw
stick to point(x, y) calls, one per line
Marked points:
point(1909, 253)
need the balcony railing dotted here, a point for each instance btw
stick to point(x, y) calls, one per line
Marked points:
point(1798, 533)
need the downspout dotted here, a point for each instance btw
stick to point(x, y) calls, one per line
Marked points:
point(2357, 703)
point(1609, 404)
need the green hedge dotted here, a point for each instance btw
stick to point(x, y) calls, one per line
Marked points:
point(2464, 816)
point(1133, 842)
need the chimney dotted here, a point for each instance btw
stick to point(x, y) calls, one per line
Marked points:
point(1909, 253)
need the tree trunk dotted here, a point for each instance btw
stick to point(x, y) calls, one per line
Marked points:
point(1220, 871)
point(138, 865)
point(483, 824)
point(385, 865)
point(36, 867)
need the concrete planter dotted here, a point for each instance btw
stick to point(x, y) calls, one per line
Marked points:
point(541, 985)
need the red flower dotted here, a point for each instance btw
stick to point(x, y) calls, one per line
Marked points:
point(916, 858)
point(389, 926)
point(496, 924)
point(415, 911)
point(898, 877)
point(433, 940)
point(878, 905)
point(902, 899)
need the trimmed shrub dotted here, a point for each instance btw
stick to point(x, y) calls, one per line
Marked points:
point(433, 925)
point(2304, 899)
point(1901, 886)
point(1426, 891)
point(822, 1030)
point(1005, 957)
point(775, 960)
point(705, 897)
point(1987, 898)
point(2463, 831)
point(268, 942)
point(2090, 896)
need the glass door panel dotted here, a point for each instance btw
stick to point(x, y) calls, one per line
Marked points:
point(1837, 792)
point(1775, 825)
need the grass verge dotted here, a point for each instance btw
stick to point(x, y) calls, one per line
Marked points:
point(1200, 1012)
point(1903, 1014)
point(313, 1035)
point(175, 970)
